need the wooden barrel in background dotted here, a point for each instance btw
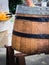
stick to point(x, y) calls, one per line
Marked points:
point(31, 33)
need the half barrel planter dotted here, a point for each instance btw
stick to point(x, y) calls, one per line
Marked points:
point(31, 30)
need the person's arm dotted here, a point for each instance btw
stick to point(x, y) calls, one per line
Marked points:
point(29, 3)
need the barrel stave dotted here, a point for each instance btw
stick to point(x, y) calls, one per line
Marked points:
point(31, 45)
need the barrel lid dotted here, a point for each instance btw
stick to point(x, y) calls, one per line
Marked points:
point(37, 10)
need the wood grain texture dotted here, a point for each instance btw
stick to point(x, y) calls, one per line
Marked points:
point(31, 45)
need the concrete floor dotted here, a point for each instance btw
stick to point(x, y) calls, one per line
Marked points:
point(41, 59)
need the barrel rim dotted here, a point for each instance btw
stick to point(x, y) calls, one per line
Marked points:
point(32, 10)
point(32, 15)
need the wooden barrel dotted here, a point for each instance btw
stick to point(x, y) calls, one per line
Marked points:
point(31, 33)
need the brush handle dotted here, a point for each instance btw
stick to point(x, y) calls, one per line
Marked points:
point(10, 15)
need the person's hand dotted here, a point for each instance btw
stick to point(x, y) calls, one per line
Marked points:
point(30, 3)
